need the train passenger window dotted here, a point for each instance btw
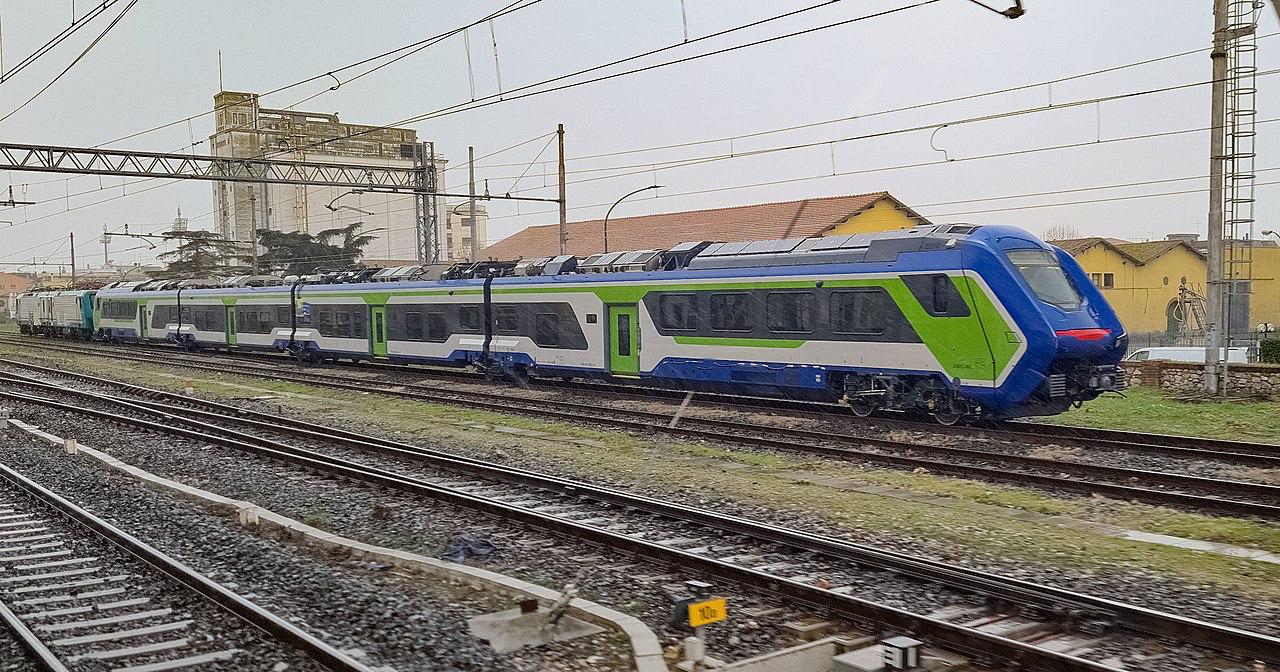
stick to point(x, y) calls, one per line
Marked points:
point(859, 312)
point(342, 324)
point(413, 326)
point(436, 331)
point(730, 312)
point(790, 312)
point(284, 316)
point(678, 312)
point(507, 320)
point(469, 317)
point(546, 329)
point(324, 319)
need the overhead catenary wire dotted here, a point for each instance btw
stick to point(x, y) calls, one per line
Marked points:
point(413, 47)
point(77, 24)
point(1170, 56)
point(878, 113)
point(77, 59)
point(492, 99)
point(408, 49)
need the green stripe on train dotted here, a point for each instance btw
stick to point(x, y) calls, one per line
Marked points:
point(977, 347)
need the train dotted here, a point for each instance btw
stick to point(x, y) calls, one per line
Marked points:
point(956, 321)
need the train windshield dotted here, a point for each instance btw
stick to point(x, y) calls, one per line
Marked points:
point(1042, 271)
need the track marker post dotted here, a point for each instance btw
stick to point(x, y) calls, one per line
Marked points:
point(698, 609)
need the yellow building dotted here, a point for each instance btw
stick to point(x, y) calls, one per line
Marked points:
point(1144, 281)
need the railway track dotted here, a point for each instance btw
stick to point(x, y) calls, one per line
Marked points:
point(993, 617)
point(1223, 496)
point(78, 593)
point(1188, 447)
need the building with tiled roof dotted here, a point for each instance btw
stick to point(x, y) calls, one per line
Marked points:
point(1143, 280)
point(837, 215)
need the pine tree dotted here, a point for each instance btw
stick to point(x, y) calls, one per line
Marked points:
point(200, 254)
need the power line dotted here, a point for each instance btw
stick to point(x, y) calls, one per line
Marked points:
point(57, 39)
point(412, 48)
point(643, 168)
point(877, 113)
point(506, 96)
point(73, 63)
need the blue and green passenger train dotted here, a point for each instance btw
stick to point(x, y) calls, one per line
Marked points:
point(954, 320)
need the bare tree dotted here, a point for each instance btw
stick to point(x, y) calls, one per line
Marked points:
point(1060, 231)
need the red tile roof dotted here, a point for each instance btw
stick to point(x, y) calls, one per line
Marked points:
point(764, 221)
point(1139, 253)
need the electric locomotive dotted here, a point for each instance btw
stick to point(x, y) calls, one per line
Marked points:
point(958, 321)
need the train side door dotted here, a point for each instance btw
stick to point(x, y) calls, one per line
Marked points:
point(231, 325)
point(142, 319)
point(624, 340)
point(378, 330)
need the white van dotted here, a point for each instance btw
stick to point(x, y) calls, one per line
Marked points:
point(1185, 354)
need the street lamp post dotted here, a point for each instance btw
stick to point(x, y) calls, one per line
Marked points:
point(615, 204)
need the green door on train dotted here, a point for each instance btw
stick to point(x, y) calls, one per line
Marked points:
point(231, 325)
point(378, 330)
point(624, 340)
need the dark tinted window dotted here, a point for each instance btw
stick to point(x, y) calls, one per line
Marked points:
point(941, 297)
point(506, 320)
point(163, 316)
point(546, 329)
point(790, 311)
point(624, 335)
point(436, 330)
point(859, 312)
point(1041, 270)
point(678, 311)
point(341, 321)
point(469, 317)
point(937, 294)
point(119, 309)
point(413, 326)
point(730, 312)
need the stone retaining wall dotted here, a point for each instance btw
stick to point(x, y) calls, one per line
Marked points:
point(1243, 380)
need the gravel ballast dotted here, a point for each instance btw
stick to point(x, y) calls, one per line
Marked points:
point(179, 463)
point(367, 611)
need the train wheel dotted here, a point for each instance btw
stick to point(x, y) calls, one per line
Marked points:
point(862, 406)
point(950, 412)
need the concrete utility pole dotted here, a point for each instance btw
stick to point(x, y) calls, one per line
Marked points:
point(73, 260)
point(106, 254)
point(1217, 147)
point(253, 219)
point(564, 219)
point(471, 168)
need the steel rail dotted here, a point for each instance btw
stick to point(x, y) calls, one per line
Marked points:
point(815, 442)
point(1014, 590)
point(941, 633)
point(231, 602)
point(1188, 447)
point(37, 652)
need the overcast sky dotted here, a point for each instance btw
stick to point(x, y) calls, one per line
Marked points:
point(160, 64)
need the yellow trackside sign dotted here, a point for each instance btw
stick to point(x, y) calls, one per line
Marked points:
point(707, 611)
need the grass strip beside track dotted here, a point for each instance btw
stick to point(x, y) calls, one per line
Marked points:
point(697, 473)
